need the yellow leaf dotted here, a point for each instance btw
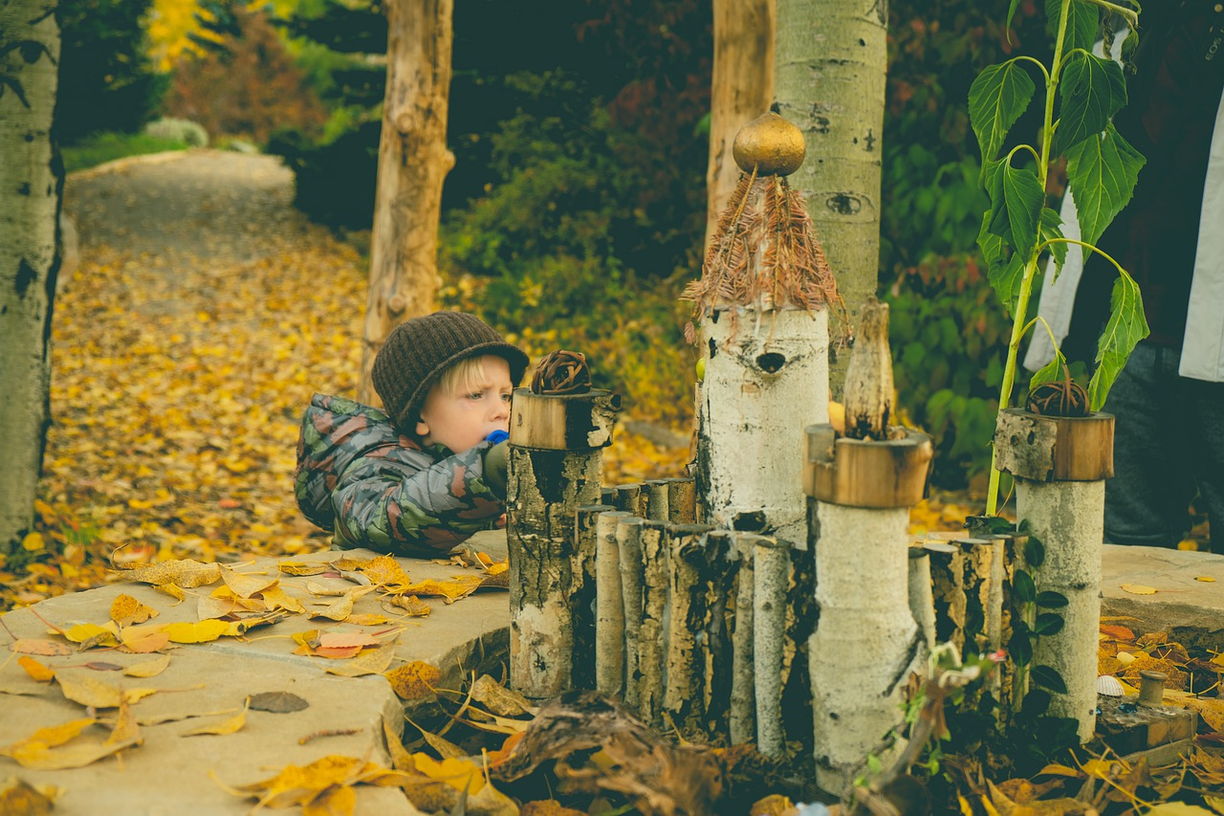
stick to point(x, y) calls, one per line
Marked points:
point(125, 610)
point(1216, 803)
point(459, 587)
point(1205, 578)
point(370, 661)
point(276, 598)
point(41, 749)
point(1059, 770)
point(185, 573)
point(172, 590)
point(244, 585)
point(965, 808)
point(39, 671)
point(343, 606)
point(144, 639)
point(458, 773)
point(148, 668)
point(1138, 589)
point(367, 619)
point(126, 729)
point(400, 757)
point(56, 734)
point(89, 692)
point(93, 634)
point(19, 797)
point(298, 785)
point(414, 680)
point(302, 568)
point(413, 605)
point(230, 726)
point(199, 632)
point(1177, 809)
point(33, 542)
point(386, 571)
point(335, 801)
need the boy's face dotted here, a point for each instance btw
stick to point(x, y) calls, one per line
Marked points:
point(461, 419)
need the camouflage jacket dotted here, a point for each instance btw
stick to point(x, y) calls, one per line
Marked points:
point(357, 476)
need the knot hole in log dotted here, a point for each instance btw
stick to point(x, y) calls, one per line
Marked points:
point(771, 362)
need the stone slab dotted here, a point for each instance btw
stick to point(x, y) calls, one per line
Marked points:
point(170, 773)
point(1190, 610)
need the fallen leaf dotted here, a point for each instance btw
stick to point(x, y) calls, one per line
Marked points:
point(385, 571)
point(773, 805)
point(460, 774)
point(244, 585)
point(299, 785)
point(336, 652)
point(55, 735)
point(45, 749)
point(334, 640)
point(145, 640)
point(39, 671)
point(1205, 579)
point(338, 800)
point(184, 572)
point(199, 632)
point(229, 726)
point(102, 665)
point(277, 702)
point(148, 668)
point(89, 635)
point(1138, 589)
point(400, 757)
point(370, 661)
point(37, 646)
point(317, 588)
point(1177, 809)
point(19, 798)
point(343, 606)
point(1118, 632)
point(33, 542)
point(208, 606)
point(276, 598)
point(445, 748)
point(1211, 709)
point(159, 719)
point(302, 568)
point(125, 729)
point(414, 606)
point(499, 699)
point(127, 610)
point(450, 591)
point(368, 619)
point(172, 590)
point(89, 692)
point(414, 680)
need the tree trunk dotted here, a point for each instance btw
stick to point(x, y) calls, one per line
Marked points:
point(831, 62)
point(741, 89)
point(31, 182)
point(412, 163)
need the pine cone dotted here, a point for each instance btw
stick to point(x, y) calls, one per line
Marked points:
point(562, 372)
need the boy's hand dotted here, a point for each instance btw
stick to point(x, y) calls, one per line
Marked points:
point(495, 464)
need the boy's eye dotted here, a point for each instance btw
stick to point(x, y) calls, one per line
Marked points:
point(505, 397)
point(476, 395)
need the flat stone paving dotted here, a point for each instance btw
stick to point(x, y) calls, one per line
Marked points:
point(172, 774)
point(1189, 609)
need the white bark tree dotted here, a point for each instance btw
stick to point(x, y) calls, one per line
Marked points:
point(31, 181)
point(830, 69)
point(412, 164)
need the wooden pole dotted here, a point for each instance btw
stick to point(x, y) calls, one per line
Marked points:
point(632, 498)
point(921, 600)
point(586, 555)
point(629, 546)
point(771, 576)
point(948, 592)
point(552, 577)
point(685, 693)
point(609, 607)
point(682, 501)
point(656, 556)
point(657, 500)
point(743, 689)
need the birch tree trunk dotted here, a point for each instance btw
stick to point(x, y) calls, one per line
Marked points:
point(830, 67)
point(412, 163)
point(31, 182)
point(741, 89)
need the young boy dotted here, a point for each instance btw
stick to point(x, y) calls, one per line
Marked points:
point(431, 471)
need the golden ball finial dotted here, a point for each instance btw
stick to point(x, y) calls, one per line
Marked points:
point(771, 144)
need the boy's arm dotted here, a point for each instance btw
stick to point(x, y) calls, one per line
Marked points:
point(385, 506)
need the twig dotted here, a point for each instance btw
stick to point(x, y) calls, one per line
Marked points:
point(329, 732)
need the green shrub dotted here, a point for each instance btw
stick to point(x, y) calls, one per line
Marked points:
point(99, 148)
point(178, 130)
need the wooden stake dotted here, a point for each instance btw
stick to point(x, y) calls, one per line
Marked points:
point(552, 581)
point(684, 696)
point(921, 600)
point(632, 498)
point(656, 549)
point(563, 421)
point(682, 501)
point(948, 591)
point(771, 576)
point(629, 544)
point(609, 607)
point(715, 652)
point(743, 689)
point(657, 506)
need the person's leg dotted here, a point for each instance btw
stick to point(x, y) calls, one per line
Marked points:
point(1206, 402)
point(1146, 501)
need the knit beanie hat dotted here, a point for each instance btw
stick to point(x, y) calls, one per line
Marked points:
point(419, 350)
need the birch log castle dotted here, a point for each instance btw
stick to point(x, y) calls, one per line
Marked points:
point(780, 567)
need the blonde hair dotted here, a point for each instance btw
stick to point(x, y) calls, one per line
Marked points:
point(466, 375)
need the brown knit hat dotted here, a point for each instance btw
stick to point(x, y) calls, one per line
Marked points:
point(418, 350)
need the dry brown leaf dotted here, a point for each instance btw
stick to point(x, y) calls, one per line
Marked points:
point(127, 610)
point(185, 573)
point(39, 671)
point(319, 588)
point(551, 807)
point(302, 568)
point(38, 646)
point(400, 758)
point(415, 680)
point(244, 585)
point(499, 699)
point(148, 668)
point(229, 726)
point(773, 805)
point(277, 702)
point(1211, 709)
point(411, 604)
point(19, 798)
point(445, 748)
point(386, 571)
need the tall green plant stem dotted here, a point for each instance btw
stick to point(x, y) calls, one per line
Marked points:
point(1030, 266)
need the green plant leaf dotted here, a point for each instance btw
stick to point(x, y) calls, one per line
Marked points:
point(1035, 702)
point(1048, 677)
point(1049, 623)
point(1090, 92)
point(1127, 326)
point(994, 248)
point(1011, 12)
point(1021, 195)
point(1051, 600)
point(1050, 226)
point(1034, 551)
point(1020, 646)
point(1082, 19)
point(997, 97)
point(1006, 279)
point(1023, 588)
point(1050, 372)
point(1102, 172)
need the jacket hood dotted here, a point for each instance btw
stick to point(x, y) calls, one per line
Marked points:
point(336, 431)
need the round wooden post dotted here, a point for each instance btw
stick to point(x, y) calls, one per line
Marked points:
point(1060, 465)
point(629, 547)
point(656, 558)
point(685, 695)
point(771, 577)
point(609, 607)
point(743, 689)
point(554, 467)
point(866, 642)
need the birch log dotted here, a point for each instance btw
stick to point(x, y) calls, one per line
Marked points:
point(629, 548)
point(609, 607)
point(632, 498)
point(682, 501)
point(742, 720)
point(921, 600)
point(771, 576)
point(656, 557)
point(766, 379)
point(866, 641)
point(586, 563)
point(657, 500)
point(551, 581)
point(685, 695)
